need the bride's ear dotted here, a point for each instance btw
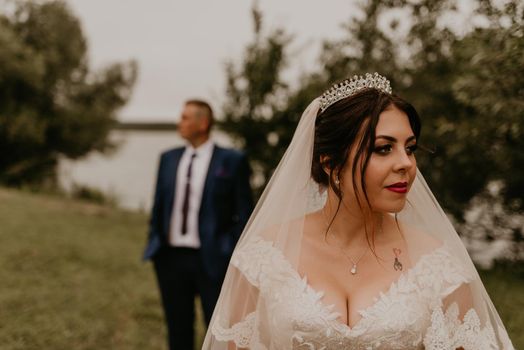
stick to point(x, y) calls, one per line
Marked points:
point(324, 161)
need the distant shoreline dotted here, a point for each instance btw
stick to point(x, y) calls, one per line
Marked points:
point(160, 126)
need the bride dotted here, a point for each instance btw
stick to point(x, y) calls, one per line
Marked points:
point(348, 248)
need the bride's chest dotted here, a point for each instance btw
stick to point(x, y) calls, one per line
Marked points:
point(350, 293)
point(297, 316)
point(397, 318)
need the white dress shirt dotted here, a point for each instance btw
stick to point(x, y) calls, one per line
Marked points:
point(198, 178)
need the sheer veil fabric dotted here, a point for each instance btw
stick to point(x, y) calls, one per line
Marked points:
point(266, 304)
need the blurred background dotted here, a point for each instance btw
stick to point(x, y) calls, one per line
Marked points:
point(90, 93)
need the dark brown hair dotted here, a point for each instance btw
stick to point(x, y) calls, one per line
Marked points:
point(206, 108)
point(338, 130)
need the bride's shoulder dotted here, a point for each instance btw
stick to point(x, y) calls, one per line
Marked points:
point(279, 237)
point(275, 230)
point(422, 241)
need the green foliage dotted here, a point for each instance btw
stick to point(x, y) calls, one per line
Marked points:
point(255, 95)
point(51, 104)
point(491, 84)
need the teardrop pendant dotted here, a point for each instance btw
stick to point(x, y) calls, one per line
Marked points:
point(354, 269)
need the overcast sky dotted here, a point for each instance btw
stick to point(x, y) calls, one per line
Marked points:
point(181, 45)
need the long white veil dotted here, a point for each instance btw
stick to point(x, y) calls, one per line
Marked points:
point(242, 318)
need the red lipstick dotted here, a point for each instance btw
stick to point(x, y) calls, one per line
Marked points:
point(399, 187)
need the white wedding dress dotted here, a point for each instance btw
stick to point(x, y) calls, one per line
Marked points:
point(409, 315)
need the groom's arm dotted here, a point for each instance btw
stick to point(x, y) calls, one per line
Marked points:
point(155, 217)
point(243, 196)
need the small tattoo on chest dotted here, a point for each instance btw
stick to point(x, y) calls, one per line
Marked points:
point(397, 265)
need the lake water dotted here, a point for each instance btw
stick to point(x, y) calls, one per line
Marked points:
point(129, 173)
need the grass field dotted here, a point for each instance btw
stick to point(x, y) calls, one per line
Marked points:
point(71, 278)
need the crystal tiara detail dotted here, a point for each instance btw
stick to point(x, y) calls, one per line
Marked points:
point(351, 86)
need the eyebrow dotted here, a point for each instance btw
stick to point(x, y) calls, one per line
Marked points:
point(392, 139)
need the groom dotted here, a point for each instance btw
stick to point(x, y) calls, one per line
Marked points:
point(202, 202)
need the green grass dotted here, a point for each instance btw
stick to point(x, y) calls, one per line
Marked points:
point(505, 285)
point(71, 278)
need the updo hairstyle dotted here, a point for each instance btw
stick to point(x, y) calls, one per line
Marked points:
point(351, 123)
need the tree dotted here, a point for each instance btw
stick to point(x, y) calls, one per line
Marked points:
point(51, 104)
point(256, 98)
point(492, 85)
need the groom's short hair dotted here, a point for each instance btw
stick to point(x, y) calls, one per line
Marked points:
point(205, 110)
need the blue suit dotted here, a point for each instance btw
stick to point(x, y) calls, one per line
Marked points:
point(225, 208)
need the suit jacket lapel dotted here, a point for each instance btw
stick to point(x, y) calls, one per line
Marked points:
point(171, 177)
point(214, 163)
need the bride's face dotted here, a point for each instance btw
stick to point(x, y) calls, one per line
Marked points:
point(392, 166)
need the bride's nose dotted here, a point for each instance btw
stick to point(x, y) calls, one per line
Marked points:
point(404, 162)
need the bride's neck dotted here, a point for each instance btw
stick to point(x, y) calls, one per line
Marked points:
point(348, 225)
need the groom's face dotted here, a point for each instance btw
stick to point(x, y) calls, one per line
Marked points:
point(193, 124)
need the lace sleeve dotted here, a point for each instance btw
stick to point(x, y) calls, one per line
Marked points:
point(455, 321)
point(448, 332)
point(253, 260)
point(243, 333)
point(262, 264)
point(256, 263)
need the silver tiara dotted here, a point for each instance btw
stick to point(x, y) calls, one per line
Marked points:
point(351, 86)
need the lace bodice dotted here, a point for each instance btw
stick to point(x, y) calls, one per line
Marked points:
point(409, 315)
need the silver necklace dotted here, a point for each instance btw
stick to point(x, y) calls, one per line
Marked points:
point(353, 269)
point(354, 264)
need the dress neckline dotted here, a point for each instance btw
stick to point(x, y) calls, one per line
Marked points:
point(335, 315)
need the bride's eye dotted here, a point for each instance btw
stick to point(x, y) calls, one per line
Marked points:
point(383, 149)
point(411, 149)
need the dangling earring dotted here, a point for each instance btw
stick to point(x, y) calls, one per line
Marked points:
point(337, 181)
